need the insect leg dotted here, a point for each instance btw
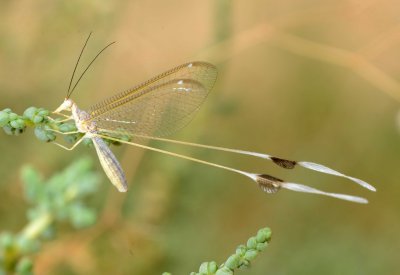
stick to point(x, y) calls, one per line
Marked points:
point(73, 146)
point(63, 133)
point(67, 118)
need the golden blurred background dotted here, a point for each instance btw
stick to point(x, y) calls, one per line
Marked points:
point(306, 80)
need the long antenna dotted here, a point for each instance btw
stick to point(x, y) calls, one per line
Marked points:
point(76, 65)
point(89, 67)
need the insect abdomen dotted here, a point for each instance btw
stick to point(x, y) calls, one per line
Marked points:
point(110, 165)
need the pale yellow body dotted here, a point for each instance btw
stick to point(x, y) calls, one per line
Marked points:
point(108, 161)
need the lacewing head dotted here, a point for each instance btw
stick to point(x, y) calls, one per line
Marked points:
point(66, 105)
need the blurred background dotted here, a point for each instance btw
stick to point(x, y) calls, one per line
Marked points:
point(305, 80)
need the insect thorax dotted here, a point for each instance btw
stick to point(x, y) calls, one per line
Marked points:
point(82, 120)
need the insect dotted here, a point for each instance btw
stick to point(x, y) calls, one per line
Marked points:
point(161, 106)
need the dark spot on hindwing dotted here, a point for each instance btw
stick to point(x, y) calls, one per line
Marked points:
point(285, 163)
point(268, 183)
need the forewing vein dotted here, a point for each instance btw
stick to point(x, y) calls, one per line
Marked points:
point(158, 111)
point(202, 72)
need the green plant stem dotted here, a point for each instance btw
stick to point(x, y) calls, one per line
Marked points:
point(242, 257)
point(36, 227)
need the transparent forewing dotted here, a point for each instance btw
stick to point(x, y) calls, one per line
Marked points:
point(160, 106)
point(202, 72)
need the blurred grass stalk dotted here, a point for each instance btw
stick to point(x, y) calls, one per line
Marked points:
point(356, 61)
point(223, 20)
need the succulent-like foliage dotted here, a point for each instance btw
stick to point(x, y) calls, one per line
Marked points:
point(55, 200)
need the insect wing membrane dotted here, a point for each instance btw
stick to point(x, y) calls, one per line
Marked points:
point(157, 111)
point(159, 106)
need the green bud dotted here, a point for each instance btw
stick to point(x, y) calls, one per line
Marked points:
point(264, 235)
point(67, 127)
point(7, 110)
point(36, 115)
point(261, 246)
point(212, 267)
point(13, 116)
point(240, 250)
point(224, 271)
point(12, 131)
point(14, 124)
point(18, 123)
point(208, 268)
point(203, 268)
point(8, 130)
point(30, 113)
point(244, 263)
point(37, 119)
point(42, 134)
point(233, 261)
point(51, 136)
point(43, 112)
point(251, 254)
point(252, 243)
point(4, 118)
